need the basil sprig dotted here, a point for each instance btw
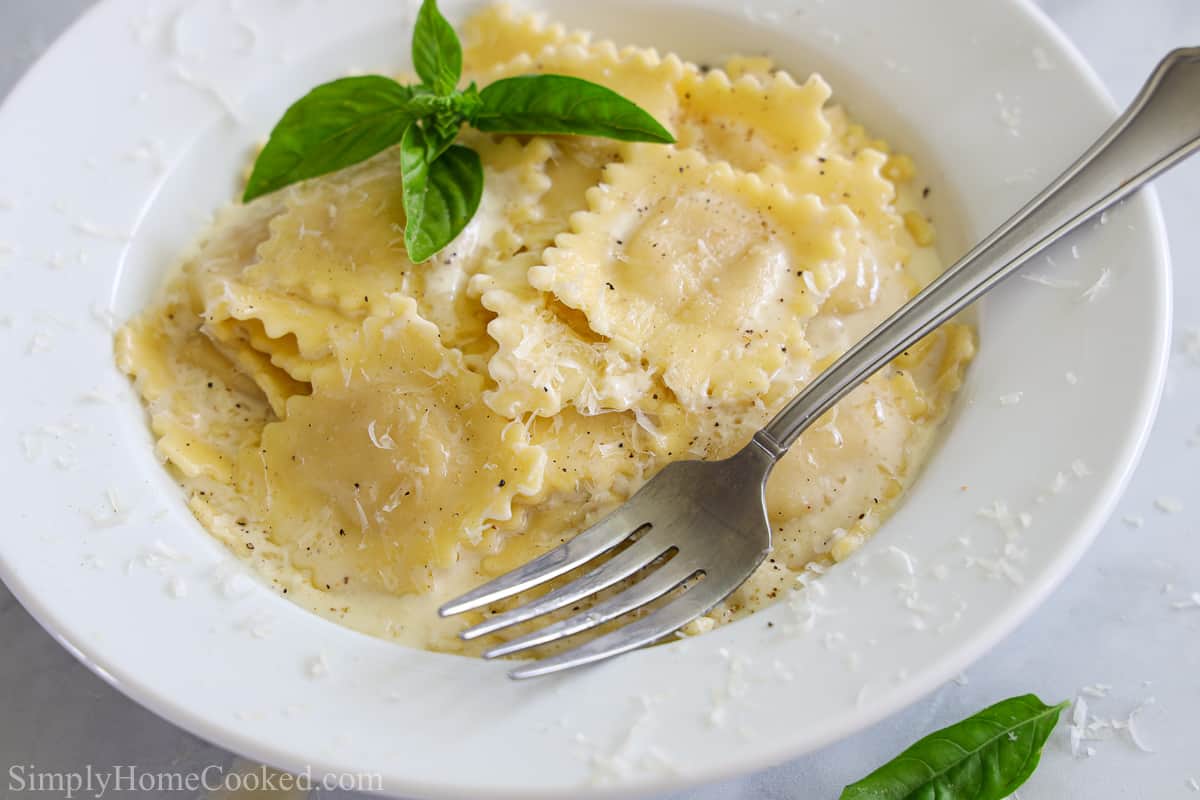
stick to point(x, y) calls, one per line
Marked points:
point(347, 121)
point(984, 757)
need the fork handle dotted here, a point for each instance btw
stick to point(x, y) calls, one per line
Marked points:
point(1158, 130)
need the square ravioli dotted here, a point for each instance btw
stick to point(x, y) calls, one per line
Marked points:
point(705, 273)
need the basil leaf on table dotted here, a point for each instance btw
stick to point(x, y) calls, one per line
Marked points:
point(984, 757)
point(443, 184)
point(334, 126)
point(549, 104)
point(436, 52)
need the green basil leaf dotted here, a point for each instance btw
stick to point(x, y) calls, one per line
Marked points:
point(562, 104)
point(436, 52)
point(332, 127)
point(984, 757)
point(442, 187)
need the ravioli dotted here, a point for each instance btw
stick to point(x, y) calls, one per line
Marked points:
point(499, 33)
point(393, 461)
point(754, 121)
point(705, 273)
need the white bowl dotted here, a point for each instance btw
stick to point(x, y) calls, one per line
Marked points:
point(111, 165)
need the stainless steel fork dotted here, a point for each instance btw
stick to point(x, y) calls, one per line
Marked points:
point(710, 517)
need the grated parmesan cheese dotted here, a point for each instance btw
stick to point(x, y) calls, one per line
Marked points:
point(39, 343)
point(1133, 520)
point(804, 602)
point(767, 17)
point(104, 316)
point(1130, 728)
point(997, 568)
point(644, 422)
point(98, 231)
point(998, 512)
point(1010, 399)
point(92, 561)
point(782, 671)
point(206, 87)
point(1024, 176)
point(1168, 505)
point(907, 561)
point(736, 685)
point(98, 396)
point(1191, 602)
point(163, 550)
point(232, 585)
point(832, 36)
point(1053, 283)
point(630, 752)
point(318, 666)
point(1191, 344)
point(383, 442)
point(1085, 727)
point(1079, 717)
point(1102, 282)
point(116, 513)
point(150, 152)
point(606, 449)
point(257, 625)
point(1009, 114)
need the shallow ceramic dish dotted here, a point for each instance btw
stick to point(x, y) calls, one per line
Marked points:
point(119, 143)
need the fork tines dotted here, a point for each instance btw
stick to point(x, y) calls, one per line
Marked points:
point(605, 537)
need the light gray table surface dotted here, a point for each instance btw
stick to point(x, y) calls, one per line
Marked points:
point(1112, 622)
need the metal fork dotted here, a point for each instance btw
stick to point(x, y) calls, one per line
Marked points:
point(710, 517)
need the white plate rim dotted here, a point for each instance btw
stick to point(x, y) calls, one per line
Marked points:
point(127, 682)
